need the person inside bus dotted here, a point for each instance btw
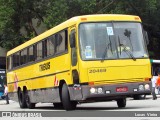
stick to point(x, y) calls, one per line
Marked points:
point(6, 93)
point(123, 48)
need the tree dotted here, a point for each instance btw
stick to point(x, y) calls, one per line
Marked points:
point(61, 10)
point(18, 16)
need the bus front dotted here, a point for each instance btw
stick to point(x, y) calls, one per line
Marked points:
point(113, 60)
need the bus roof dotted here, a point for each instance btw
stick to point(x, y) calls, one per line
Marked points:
point(73, 21)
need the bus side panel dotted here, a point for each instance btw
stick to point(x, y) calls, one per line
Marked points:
point(41, 83)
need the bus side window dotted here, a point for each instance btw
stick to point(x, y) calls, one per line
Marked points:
point(25, 56)
point(16, 58)
point(61, 42)
point(44, 48)
point(73, 47)
point(39, 51)
point(51, 45)
point(21, 57)
point(9, 62)
point(30, 54)
point(66, 40)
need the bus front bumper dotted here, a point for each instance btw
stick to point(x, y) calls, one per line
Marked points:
point(113, 92)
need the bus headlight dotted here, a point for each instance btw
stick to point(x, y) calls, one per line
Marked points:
point(92, 90)
point(141, 88)
point(147, 87)
point(100, 90)
point(96, 90)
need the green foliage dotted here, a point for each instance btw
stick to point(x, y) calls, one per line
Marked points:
point(61, 10)
point(56, 12)
point(17, 16)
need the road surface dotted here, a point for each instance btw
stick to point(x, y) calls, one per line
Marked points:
point(138, 106)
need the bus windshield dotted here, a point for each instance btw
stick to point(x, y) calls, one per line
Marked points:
point(111, 40)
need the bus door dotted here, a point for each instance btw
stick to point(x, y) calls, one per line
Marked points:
point(77, 91)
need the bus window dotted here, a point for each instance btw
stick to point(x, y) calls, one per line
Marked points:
point(39, 51)
point(30, 54)
point(9, 61)
point(23, 57)
point(95, 43)
point(61, 42)
point(73, 45)
point(16, 58)
point(51, 45)
point(129, 35)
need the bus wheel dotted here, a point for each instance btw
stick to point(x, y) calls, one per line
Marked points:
point(58, 105)
point(142, 96)
point(121, 102)
point(21, 99)
point(28, 102)
point(138, 97)
point(67, 103)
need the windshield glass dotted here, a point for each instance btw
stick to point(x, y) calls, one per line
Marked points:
point(111, 40)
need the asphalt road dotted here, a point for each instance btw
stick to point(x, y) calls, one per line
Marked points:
point(95, 108)
point(132, 105)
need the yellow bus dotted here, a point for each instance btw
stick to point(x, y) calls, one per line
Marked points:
point(87, 58)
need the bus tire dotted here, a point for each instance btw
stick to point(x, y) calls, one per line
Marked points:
point(142, 96)
point(121, 102)
point(58, 105)
point(67, 103)
point(28, 102)
point(21, 99)
point(139, 97)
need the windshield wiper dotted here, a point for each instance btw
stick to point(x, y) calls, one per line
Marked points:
point(105, 52)
point(129, 53)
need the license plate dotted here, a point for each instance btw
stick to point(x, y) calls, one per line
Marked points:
point(121, 89)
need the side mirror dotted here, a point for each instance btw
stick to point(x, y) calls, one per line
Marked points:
point(72, 39)
point(146, 37)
